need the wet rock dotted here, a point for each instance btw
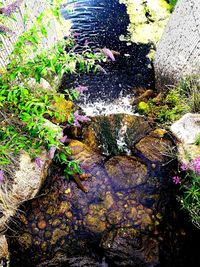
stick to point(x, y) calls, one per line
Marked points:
point(126, 172)
point(140, 250)
point(155, 147)
point(87, 158)
point(116, 133)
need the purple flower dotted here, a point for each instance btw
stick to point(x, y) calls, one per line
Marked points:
point(81, 88)
point(101, 69)
point(10, 9)
point(195, 165)
point(1, 177)
point(76, 34)
point(52, 152)
point(63, 139)
point(176, 180)
point(79, 118)
point(86, 43)
point(184, 167)
point(108, 53)
point(38, 162)
point(4, 29)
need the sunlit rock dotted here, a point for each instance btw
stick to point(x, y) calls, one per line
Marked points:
point(115, 133)
point(3, 249)
point(187, 128)
point(26, 181)
point(156, 147)
point(186, 131)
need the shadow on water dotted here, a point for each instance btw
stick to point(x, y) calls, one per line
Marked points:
point(100, 23)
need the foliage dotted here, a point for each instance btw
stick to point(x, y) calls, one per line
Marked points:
point(197, 142)
point(179, 100)
point(168, 108)
point(172, 4)
point(27, 109)
point(190, 188)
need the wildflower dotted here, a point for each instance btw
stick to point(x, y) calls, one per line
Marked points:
point(38, 162)
point(108, 53)
point(63, 139)
point(1, 177)
point(76, 34)
point(79, 118)
point(86, 43)
point(176, 180)
point(195, 165)
point(101, 69)
point(4, 29)
point(81, 88)
point(184, 167)
point(10, 9)
point(52, 152)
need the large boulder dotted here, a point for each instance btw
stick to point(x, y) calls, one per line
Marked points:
point(178, 53)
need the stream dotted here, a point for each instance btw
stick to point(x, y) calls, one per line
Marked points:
point(101, 23)
point(126, 212)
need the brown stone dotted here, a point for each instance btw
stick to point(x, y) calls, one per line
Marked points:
point(126, 172)
point(154, 149)
point(42, 225)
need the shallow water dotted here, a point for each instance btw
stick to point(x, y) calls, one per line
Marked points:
point(101, 23)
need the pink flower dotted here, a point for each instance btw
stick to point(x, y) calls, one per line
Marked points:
point(184, 167)
point(176, 180)
point(79, 118)
point(4, 29)
point(1, 177)
point(108, 53)
point(10, 9)
point(52, 152)
point(63, 139)
point(81, 88)
point(38, 162)
point(101, 69)
point(195, 165)
point(76, 34)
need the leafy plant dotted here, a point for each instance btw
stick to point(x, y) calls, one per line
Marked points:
point(190, 188)
point(27, 109)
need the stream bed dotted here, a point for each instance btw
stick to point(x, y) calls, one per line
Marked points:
point(125, 212)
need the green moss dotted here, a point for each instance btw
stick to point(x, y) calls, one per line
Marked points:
point(147, 19)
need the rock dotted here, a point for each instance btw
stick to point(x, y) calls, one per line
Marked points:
point(82, 153)
point(187, 128)
point(115, 133)
point(27, 181)
point(126, 172)
point(3, 249)
point(155, 147)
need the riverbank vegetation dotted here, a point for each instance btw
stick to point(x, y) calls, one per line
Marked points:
point(32, 116)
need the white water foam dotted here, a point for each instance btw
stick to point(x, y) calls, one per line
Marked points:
point(121, 105)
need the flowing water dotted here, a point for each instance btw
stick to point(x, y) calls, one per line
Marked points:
point(100, 23)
